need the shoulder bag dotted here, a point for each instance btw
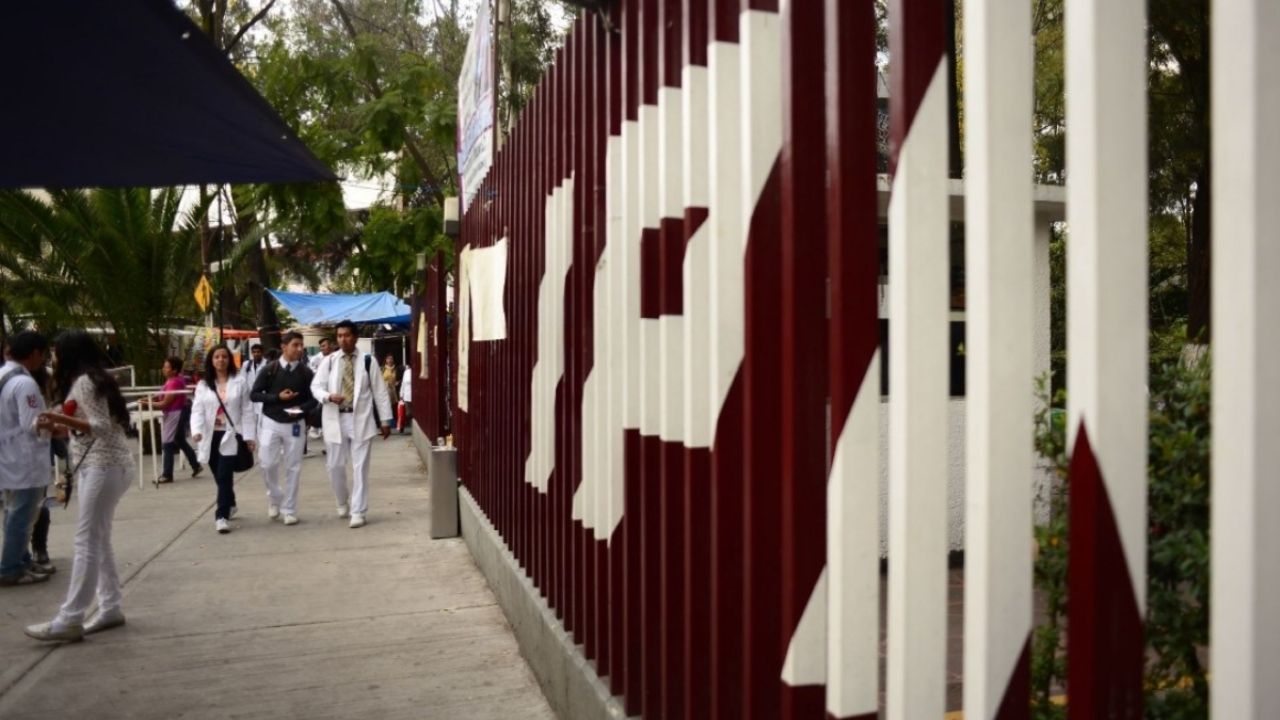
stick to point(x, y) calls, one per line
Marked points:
point(244, 456)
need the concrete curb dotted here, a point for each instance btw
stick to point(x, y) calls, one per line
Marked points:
point(568, 680)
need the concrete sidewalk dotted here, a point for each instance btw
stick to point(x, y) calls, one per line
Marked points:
point(311, 621)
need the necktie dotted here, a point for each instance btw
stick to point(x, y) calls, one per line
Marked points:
point(348, 380)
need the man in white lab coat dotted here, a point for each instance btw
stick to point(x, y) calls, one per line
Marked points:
point(327, 346)
point(250, 369)
point(356, 405)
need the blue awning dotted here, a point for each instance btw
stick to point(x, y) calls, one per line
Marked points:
point(327, 309)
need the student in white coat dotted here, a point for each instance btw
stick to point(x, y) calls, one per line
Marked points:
point(250, 369)
point(406, 398)
point(349, 385)
point(221, 410)
point(327, 346)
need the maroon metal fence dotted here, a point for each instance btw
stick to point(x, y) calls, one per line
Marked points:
point(678, 436)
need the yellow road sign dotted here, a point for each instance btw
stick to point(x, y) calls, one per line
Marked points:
point(204, 293)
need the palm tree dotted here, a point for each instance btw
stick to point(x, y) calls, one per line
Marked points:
point(124, 257)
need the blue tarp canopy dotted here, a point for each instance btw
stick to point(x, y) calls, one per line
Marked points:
point(326, 309)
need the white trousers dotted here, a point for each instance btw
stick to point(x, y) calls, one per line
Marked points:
point(98, 491)
point(336, 461)
point(278, 445)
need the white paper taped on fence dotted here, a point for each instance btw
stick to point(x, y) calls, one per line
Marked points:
point(487, 278)
point(464, 325)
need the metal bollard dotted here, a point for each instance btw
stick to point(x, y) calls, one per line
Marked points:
point(442, 473)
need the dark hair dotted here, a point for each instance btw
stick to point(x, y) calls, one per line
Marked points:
point(257, 347)
point(290, 337)
point(348, 325)
point(329, 339)
point(26, 343)
point(78, 354)
point(175, 363)
point(211, 375)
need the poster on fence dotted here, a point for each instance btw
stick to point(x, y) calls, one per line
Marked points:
point(476, 107)
point(464, 324)
point(486, 282)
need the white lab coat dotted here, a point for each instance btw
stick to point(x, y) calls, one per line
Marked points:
point(204, 411)
point(328, 381)
point(406, 384)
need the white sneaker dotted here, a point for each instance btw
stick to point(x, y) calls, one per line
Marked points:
point(222, 526)
point(357, 520)
point(273, 512)
point(290, 519)
point(52, 632)
point(104, 621)
point(343, 511)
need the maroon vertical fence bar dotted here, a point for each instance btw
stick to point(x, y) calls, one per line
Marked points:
point(565, 395)
point(537, 253)
point(727, 552)
point(576, 335)
point(479, 396)
point(559, 481)
point(616, 549)
point(633, 518)
point(546, 518)
point(492, 365)
point(555, 558)
point(590, 107)
point(598, 128)
point(762, 407)
point(597, 109)
point(516, 329)
point(436, 343)
point(696, 600)
point(671, 468)
point(804, 333)
point(424, 389)
point(528, 320)
point(508, 409)
point(650, 445)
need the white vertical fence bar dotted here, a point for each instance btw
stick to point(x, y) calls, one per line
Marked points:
point(918, 336)
point(998, 340)
point(1106, 83)
point(853, 484)
point(1245, 639)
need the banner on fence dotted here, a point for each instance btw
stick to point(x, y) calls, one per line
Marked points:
point(476, 107)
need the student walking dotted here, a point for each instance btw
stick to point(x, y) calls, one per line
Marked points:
point(222, 410)
point(173, 430)
point(389, 377)
point(250, 369)
point(356, 407)
point(94, 411)
point(406, 399)
point(24, 457)
point(283, 389)
point(327, 346)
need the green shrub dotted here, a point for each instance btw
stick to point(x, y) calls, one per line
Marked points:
point(1177, 621)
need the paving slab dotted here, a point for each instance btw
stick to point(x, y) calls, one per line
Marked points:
point(315, 620)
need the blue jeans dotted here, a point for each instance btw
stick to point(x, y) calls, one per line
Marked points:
point(20, 508)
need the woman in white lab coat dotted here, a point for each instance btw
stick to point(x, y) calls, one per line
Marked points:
point(406, 398)
point(222, 410)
